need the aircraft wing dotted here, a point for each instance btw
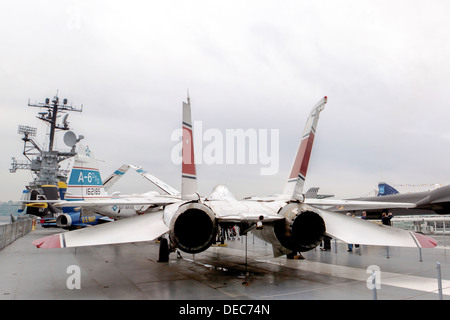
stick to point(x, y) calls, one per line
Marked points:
point(345, 228)
point(359, 204)
point(115, 176)
point(359, 231)
point(157, 182)
point(163, 201)
point(149, 227)
point(146, 227)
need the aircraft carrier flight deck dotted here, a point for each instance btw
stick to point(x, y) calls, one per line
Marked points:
point(132, 271)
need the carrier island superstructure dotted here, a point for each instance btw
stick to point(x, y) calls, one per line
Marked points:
point(44, 161)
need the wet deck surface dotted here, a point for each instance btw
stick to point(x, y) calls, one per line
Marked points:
point(131, 271)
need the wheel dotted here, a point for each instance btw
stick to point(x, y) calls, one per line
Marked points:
point(163, 250)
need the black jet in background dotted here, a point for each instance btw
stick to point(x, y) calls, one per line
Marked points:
point(429, 202)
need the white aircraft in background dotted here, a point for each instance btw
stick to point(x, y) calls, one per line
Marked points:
point(86, 191)
point(116, 175)
point(288, 221)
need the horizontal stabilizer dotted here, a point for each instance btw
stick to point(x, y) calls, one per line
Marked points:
point(146, 227)
point(359, 231)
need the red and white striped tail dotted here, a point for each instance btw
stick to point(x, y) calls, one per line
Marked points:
point(296, 180)
point(189, 188)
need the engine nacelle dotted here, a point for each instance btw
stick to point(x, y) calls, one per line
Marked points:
point(302, 229)
point(64, 221)
point(193, 227)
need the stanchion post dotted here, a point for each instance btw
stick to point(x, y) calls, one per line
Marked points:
point(374, 287)
point(439, 280)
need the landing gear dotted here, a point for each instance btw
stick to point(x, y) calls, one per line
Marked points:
point(246, 282)
point(163, 250)
point(294, 256)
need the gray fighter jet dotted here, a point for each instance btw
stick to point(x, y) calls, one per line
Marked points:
point(427, 202)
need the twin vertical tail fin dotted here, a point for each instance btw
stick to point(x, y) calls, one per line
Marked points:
point(189, 190)
point(85, 181)
point(296, 181)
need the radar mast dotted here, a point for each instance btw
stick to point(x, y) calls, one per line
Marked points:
point(44, 163)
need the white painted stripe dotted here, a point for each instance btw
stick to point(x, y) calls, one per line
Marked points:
point(406, 281)
point(387, 278)
point(62, 241)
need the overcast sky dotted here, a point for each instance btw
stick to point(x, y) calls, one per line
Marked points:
point(384, 66)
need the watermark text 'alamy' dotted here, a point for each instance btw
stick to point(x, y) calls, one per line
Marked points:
point(235, 146)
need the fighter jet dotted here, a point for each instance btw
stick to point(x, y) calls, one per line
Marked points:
point(289, 221)
point(426, 202)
